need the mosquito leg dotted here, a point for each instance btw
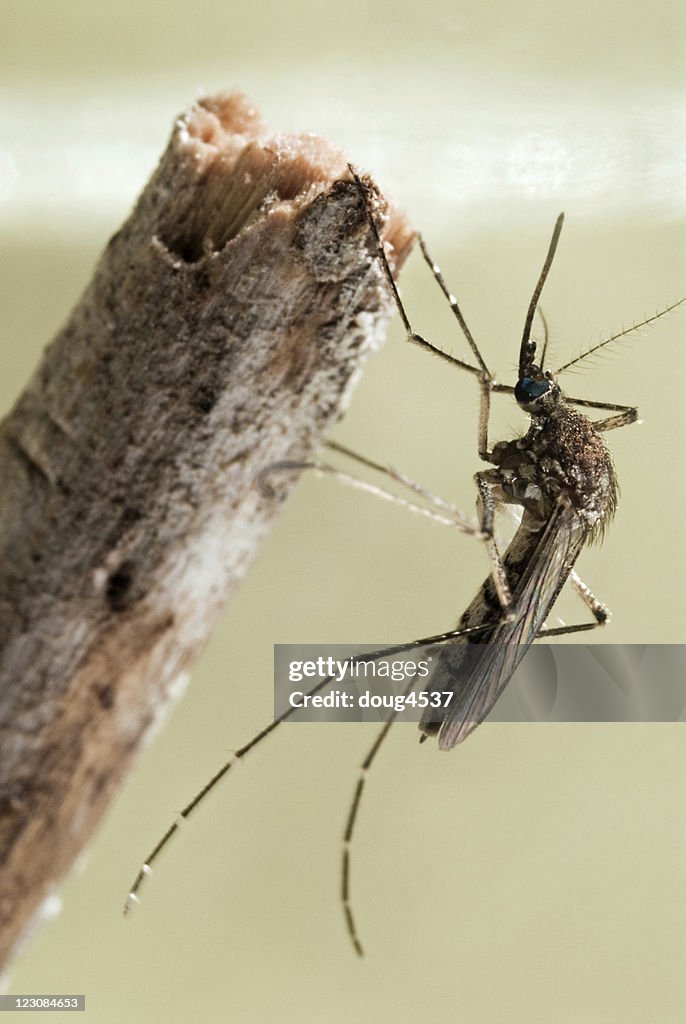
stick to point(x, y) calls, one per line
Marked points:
point(453, 516)
point(351, 822)
point(600, 612)
point(440, 280)
point(411, 334)
point(356, 801)
point(355, 804)
point(399, 478)
point(626, 416)
point(200, 796)
point(486, 510)
point(485, 385)
point(482, 371)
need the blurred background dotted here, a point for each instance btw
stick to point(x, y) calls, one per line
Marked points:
point(537, 873)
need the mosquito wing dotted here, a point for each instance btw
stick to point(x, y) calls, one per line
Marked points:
point(478, 672)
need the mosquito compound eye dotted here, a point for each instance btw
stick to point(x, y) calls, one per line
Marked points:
point(528, 390)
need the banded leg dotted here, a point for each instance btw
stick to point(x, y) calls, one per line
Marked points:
point(454, 305)
point(482, 371)
point(411, 334)
point(625, 416)
point(601, 615)
point(600, 612)
point(486, 384)
point(147, 867)
point(455, 517)
point(398, 477)
point(351, 822)
point(449, 516)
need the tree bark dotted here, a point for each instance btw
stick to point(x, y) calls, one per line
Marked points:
point(224, 327)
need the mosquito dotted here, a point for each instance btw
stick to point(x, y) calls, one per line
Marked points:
point(560, 478)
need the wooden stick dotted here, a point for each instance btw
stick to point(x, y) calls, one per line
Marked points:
point(222, 331)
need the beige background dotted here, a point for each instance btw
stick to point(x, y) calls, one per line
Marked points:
point(537, 873)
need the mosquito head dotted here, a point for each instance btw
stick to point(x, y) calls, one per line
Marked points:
point(536, 391)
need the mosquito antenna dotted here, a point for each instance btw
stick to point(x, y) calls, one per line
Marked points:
point(527, 350)
point(544, 350)
point(620, 334)
point(351, 821)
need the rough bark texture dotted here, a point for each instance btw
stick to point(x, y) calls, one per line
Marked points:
point(223, 328)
